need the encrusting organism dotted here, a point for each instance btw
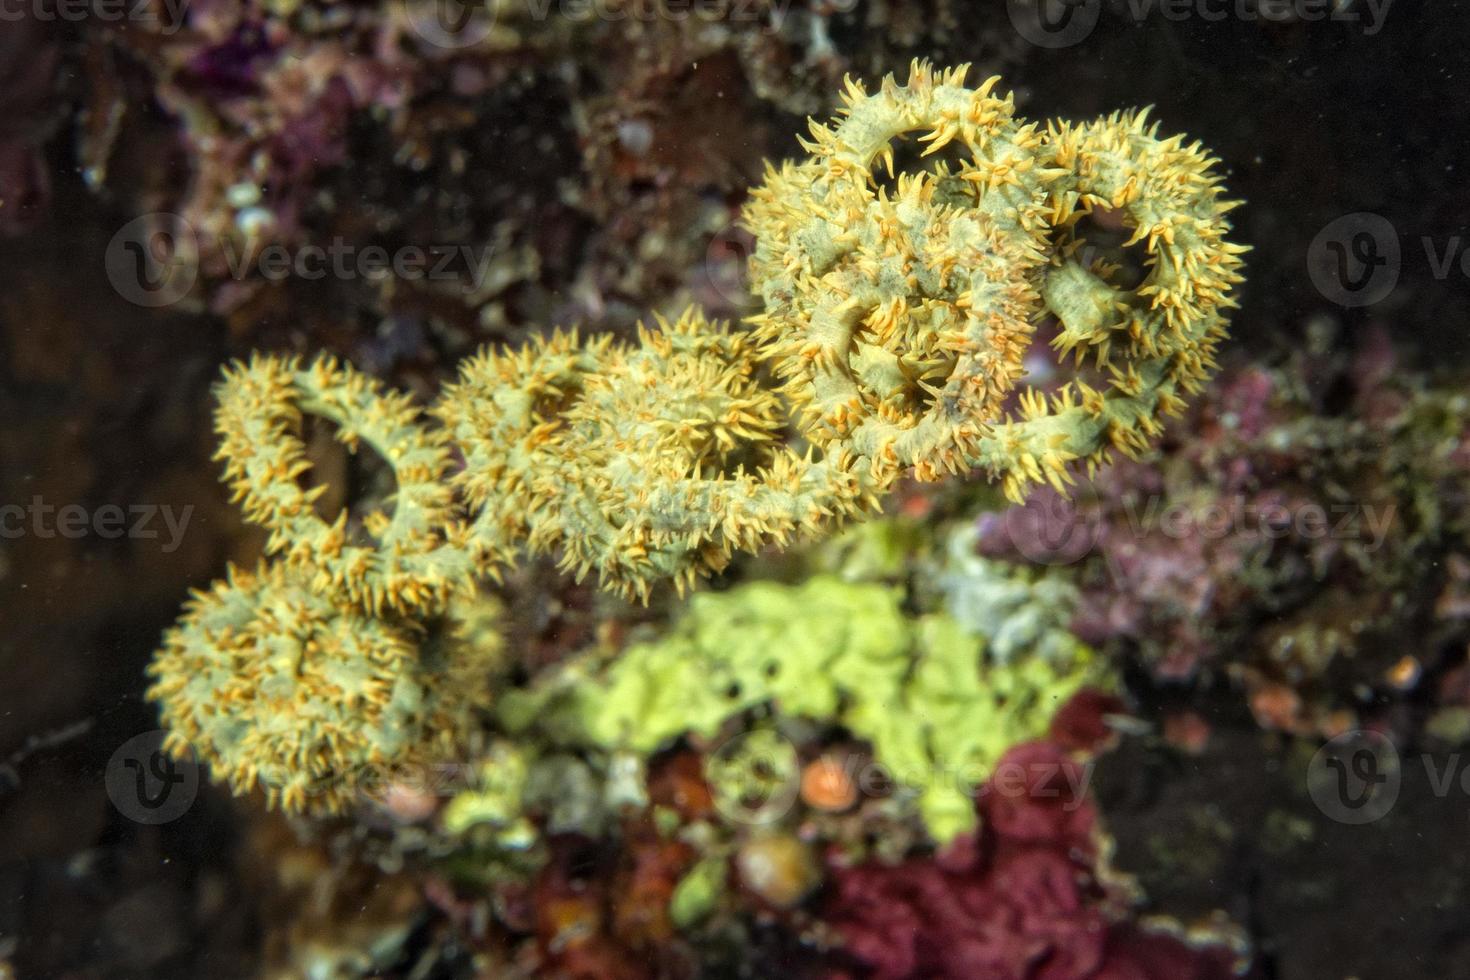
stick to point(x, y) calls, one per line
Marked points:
point(927, 694)
point(1016, 609)
point(899, 317)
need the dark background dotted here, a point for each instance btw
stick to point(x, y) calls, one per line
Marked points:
point(104, 402)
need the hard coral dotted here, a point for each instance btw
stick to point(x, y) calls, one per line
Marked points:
point(500, 414)
point(341, 657)
point(671, 461)
point(901, 322)
point(902, 319)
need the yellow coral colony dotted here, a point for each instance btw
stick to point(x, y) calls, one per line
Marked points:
point(901, 317)
point(646, 463)
point(899, 314)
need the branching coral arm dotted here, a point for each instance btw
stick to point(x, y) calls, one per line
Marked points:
point(670, 462)
point(278, 687)
point(501, 414)
point(258, 419)
point(1154, 341)
point(901, 316)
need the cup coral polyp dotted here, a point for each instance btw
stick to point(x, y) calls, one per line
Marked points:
point(901, 318)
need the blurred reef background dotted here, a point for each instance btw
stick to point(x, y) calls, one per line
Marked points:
point(1161, 683)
